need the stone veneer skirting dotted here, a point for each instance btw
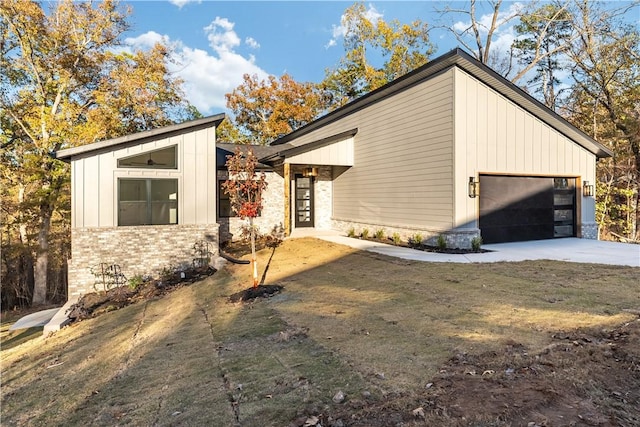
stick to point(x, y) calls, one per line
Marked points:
point(143, 250)
point(590, 230)
point(456, 239)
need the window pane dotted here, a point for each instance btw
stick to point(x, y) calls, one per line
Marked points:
point(165, 158)
point(164, 201)
point(133, 190)
point(224, 204)
point(164, 213)
point(164, 189)
point(148, 201)
point(132, 213)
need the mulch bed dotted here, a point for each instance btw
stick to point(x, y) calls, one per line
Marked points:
point(424, 248)
point(261, 291)
point(95, 303)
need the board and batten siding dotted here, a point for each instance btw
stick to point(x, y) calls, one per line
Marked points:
point(95, 180)
point(496, 136)
point(403, 159)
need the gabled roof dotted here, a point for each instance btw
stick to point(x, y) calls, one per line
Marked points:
point(283, 151)
point(140, 137)
point(224, 149)
point(461, 59)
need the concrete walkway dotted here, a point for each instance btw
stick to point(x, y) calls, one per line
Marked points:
point(567, 249)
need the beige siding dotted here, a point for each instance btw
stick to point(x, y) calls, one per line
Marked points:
point(403, 159)
point(95, 180)
point(337, 154)
point(494, 135)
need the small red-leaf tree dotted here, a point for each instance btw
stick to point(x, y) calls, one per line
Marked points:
point(244, 187)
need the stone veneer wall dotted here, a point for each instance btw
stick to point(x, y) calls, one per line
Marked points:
point(323, 188)
point(272, 214)
point(590, 230)
point(138, 250)
point(456, 239)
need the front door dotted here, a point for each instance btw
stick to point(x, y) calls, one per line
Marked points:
point(304, 201)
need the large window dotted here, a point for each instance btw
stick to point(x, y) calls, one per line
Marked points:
point(147, 201)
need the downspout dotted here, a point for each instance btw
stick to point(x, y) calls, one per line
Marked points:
point(287, 199)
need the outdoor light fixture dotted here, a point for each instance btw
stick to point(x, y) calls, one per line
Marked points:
point(310, 172)
point(473, 187)
point(588, 189)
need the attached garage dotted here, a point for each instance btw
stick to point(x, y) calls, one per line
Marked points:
point(519, 208)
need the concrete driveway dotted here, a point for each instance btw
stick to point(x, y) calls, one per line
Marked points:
point(567, 249)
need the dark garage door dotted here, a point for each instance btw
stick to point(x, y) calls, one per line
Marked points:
point(516, 208)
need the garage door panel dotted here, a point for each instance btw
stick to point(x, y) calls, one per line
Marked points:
point(504, 234)
point(516, 208)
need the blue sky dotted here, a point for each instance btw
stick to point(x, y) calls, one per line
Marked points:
point(216, 42)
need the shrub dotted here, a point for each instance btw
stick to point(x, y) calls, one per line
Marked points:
point(365, 233)
point(135, 282)
point(442, 242)
point(416, 240)
point(396, 238)
point(379, 234)
point(275, 237)
point(476, 242)
point(351, 232)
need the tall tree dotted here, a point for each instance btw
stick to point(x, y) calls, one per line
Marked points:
point(368, 41)
point(605, 104)
point(544, 35)
point(61, 85)
point(476, 33)
point(267, 109)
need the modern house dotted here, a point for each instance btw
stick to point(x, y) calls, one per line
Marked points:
point(451, 149)
point(142, 201)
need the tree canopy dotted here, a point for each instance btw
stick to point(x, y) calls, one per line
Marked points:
point(376, 52)
point(267, 109)
point(66, 81)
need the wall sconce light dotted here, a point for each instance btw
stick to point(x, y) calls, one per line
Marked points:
point(307, 172)
point(588, 190)
point(474, 187)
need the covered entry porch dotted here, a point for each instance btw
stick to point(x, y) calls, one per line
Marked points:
point(308, 173)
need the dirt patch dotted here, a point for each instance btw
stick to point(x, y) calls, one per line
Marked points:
point(583, 378)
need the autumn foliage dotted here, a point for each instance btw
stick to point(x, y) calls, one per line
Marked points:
point(245, 187)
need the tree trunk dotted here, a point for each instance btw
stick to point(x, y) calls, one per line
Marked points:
point(42, 259)
point(254, 261)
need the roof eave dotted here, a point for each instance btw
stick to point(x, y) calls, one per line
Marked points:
point(68, 153)
point(460, 58)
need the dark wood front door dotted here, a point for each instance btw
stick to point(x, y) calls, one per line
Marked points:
point(304, 201)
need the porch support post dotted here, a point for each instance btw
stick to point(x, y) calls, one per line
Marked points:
point(287, 199)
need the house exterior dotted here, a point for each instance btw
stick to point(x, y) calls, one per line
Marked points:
point(451, 150)
point(142, 201)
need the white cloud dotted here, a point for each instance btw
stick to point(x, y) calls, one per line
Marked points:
point(339, 31)
point(147, 40)
point(221, 36)
point(252, 43)
point(181, 3)
point(207, 76)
